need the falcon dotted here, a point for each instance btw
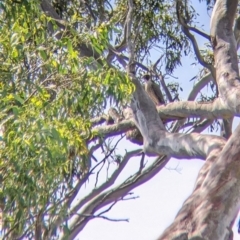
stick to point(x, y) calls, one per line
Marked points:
point(153, 91)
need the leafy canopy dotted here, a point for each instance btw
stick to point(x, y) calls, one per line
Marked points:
point(57, 74)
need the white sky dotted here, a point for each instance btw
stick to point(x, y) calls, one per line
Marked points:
point(160, 198)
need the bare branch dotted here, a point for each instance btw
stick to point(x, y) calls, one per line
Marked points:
point(200, 127)
point(109, 182)
point(120, 191)
point(104, 160)
point(111, 219)
point(215, 197)
point(142, 163)
point(186, 31)
point(130, 46)
point(175, 110)
point(108, 209)
point(199, 32)
point(91, 216)
point(165, 88)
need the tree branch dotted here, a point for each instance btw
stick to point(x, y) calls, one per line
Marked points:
point(199, 32)
point(224, 47)
point(157, 140)
point(200, 127)
point(186, 31)
point(129, 20)
point(173, 111)
point(199, 86)
point(120, 191)
point(109, 182)
point(210, 210)
point(226, 127)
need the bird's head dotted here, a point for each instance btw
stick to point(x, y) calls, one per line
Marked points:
point(146, 77)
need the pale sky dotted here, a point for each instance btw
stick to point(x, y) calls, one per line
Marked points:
point(160, 198)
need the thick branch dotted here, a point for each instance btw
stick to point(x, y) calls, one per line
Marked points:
point(108, 183)
point(199, 86)
point(224, 46)
point(184, 109)
point(172, 111)
point(208, 213)
point(129, 20)
point(157, 140)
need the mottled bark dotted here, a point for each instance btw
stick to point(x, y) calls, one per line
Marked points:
point(209, 212)
point(212, 207)
point(158, 140)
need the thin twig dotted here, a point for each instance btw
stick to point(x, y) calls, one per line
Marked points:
point(120, 191)
point(128, 33)
point(185, 29)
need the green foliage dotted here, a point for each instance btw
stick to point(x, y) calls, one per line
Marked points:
point(156, 28)
point(54, 79)
point(48, 94)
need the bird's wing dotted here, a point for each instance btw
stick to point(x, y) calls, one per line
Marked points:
point(151, 93)
point(158, 93)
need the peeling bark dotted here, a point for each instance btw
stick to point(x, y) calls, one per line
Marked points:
point(226, 127)
point(226, 61)
point(209, 212)
point(157, 140)
point(212, 207)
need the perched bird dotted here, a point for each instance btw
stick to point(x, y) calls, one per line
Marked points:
point(153, 91)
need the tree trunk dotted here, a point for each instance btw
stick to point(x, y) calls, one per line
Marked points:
point(212, 207)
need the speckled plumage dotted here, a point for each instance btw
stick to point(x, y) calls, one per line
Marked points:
point(153, 91)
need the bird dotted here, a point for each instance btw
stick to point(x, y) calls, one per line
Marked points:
point(153, 91)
